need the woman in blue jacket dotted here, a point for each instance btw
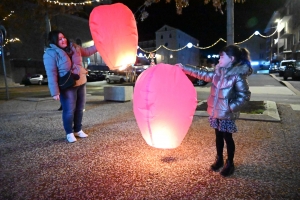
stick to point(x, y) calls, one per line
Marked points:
point(59, 58)
point(229, 92)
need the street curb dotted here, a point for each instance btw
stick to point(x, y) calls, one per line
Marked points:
point(287, 84)
point(35, 99)
point(270, 114)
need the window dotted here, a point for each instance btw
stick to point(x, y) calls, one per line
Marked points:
point(161, 37)
point(166, 29)
point(261, 56)
point(170, 36)
point(261, 46)
point(166, 44)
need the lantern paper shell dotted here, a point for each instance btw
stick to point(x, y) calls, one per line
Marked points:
point(164, 103)
point(114, 31)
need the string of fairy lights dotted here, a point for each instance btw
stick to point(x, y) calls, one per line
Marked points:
point(14, 39)
point(72, 3)
point(10, 14)
point(11, 40)
point(189, 45)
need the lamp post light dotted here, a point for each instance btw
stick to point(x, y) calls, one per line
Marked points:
point(2, 41)
point(278, 34)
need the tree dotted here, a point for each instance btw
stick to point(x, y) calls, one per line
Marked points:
point(230, 15)
point(37, 12)
point(180, 4)
point(30, 22)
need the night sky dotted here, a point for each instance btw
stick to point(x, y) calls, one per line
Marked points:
point(203, 22)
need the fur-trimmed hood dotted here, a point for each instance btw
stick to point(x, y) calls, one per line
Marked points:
point(238, 69)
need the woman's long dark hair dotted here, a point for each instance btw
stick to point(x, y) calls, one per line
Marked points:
point(53, 39)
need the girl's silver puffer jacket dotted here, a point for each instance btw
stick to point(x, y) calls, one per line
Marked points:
point(58, 63)
point(229, 89)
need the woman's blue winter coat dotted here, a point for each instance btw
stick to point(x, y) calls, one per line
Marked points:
point(58, 63)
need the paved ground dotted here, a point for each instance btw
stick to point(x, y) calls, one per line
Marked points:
point(116, 163)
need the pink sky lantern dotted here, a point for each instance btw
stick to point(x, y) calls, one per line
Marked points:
point(164, 103)
point(114, 31)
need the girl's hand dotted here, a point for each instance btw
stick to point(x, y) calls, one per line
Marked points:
point(180, 65)
point(56, 97)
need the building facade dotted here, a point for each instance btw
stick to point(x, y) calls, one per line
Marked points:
point(174, 39)
point(285, 24)
point(256, 45)
point(25, 57)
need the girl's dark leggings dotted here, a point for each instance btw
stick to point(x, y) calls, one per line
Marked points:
point(220, 137)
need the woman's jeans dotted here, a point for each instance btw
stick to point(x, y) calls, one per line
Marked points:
point(73, 102)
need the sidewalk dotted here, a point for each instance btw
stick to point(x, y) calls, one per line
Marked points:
point(116, 163)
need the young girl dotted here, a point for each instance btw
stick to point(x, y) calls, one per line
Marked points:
point(229, 92)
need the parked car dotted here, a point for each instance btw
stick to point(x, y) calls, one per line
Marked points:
point(196, 81)
point(38, 79)
point(291, 71)
point(283, 65)
point(95, 76)
point(116, 76)
point(274, 66)
point(96, 72)
point(199, 82)
point(265, 65)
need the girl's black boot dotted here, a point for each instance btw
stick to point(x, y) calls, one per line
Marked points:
point(228, 169)
point(219, 162)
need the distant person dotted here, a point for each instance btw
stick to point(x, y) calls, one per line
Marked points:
point(60, 108)
point(229, 92)
point(59, 58)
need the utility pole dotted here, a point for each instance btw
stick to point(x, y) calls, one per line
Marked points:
point(2, 41)
point(230, 22)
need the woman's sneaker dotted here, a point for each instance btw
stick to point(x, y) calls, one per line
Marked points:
point(81, 134)
point(71, 138)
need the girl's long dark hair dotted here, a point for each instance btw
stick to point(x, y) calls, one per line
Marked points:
point(241, 55)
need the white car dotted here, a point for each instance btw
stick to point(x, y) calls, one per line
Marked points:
point(284, 64)
point(116, 76)
point(38, 79)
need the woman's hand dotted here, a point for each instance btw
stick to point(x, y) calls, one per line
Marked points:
point(56, 97)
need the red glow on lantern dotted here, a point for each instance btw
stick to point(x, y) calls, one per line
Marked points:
point(164, 103)
point(114, 31)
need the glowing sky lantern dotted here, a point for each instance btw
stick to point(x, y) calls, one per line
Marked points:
point(164, 103)
point(114, 31)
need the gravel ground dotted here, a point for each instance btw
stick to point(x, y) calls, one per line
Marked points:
point(116, 163)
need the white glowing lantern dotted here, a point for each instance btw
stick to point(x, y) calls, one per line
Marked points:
point(164, 104)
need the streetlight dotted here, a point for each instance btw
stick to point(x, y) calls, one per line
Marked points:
point(278, 21)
